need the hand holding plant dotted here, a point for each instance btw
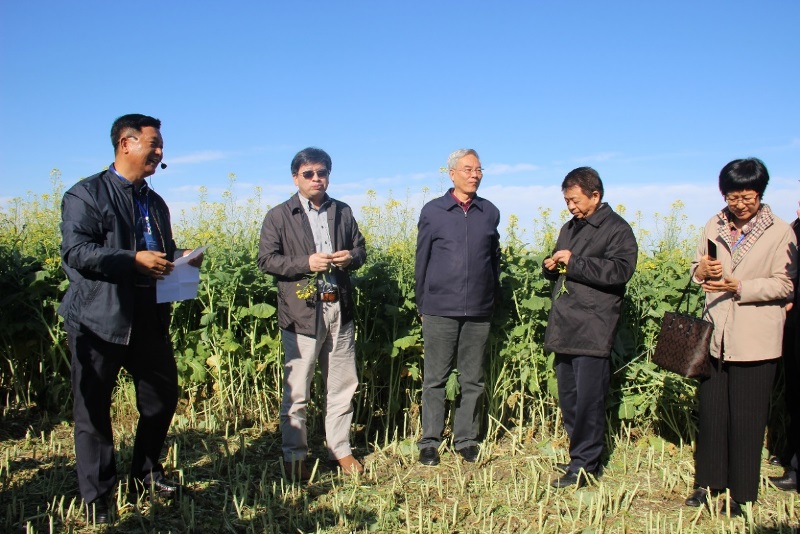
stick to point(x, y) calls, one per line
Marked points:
point(341, 258)
point(558, 261)
point(319, 262)
point(562, 270)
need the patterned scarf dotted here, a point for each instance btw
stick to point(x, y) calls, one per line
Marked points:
point(757, 226)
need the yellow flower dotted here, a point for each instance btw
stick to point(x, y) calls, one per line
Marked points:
point(307, 291)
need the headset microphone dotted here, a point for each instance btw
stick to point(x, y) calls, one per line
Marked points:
point(163, 165)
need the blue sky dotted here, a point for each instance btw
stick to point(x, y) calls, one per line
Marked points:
point(657, 96)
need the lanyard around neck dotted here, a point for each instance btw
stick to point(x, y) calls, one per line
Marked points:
point(144, 207)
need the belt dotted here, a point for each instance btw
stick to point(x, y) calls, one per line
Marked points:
point(328, 297)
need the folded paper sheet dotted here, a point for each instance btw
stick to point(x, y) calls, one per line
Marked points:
point(182, 282)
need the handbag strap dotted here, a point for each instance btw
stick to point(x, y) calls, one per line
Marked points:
point(684, 293)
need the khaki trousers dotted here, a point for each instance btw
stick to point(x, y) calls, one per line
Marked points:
point(334, 347)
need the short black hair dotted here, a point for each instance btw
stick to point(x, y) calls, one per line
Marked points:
point(586, 178)
point(132, 121)
point(744, 174)
point(310, 155)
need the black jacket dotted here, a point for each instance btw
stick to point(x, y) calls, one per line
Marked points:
point(98, 247)
point(604, 253)
point(285, 245)
point(458, 258)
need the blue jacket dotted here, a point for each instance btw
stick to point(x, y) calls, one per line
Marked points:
point(98, 247)
point(458, 258)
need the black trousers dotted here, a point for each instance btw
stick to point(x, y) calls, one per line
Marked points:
point(791, 375)
point(734, 407)
point(450, 342)
point(582, 389)
point(95, 366)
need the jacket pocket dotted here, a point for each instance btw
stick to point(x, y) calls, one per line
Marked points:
point(87, 292)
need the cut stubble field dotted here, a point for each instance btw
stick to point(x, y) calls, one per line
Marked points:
point(234, 483)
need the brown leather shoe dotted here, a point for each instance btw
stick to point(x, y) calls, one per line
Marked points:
point(296, 471)
point(350, 465)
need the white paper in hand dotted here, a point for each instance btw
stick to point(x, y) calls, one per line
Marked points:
point(182, 282)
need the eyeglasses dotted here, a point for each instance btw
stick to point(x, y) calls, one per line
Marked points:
point(733, 201)
point(469, 170)
point(322, 173)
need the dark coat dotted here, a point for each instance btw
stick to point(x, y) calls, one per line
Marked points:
point(98, 250)
point(458, 258)
point(604, 253)
point(283, 251)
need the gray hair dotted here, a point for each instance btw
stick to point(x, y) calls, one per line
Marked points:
point(452, 160)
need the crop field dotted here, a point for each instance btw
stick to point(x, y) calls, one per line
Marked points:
point(224, 443)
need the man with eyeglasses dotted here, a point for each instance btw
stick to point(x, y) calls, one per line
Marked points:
point(310, 243)
point(116, 243)
point(457, 282)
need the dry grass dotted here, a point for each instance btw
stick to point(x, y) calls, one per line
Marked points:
point(234, 477)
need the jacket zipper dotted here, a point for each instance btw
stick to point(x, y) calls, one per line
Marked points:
point(466, 260)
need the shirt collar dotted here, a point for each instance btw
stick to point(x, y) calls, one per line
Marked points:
point(463, 205)
point(142, 190)
point(308, 206)
point(596, 218)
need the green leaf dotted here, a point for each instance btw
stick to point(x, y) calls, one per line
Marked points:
point(519, 330)
point(413, 371)
point(452, 389)
point(627, 409)
point(261, 311)
point(406, 342)
point(535, 303)
point(552, 386)
point(207, 318)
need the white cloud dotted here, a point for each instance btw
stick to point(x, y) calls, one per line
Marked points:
point(643, 203)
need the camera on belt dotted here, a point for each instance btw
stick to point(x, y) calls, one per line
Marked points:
point(328, 293)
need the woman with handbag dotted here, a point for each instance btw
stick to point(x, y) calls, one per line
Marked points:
point(745, 262)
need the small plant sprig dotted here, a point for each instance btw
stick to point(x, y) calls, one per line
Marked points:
point(310, 289)
point(562, 270)
point(307, 291)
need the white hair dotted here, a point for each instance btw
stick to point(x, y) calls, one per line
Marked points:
point(452, 160)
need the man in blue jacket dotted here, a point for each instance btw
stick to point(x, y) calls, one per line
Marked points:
point(457, 278)
point(594, 258)
point(116, 242)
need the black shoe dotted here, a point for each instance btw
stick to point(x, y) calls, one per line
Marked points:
point(97, 512)
point(579, 480)
point(735, 509)
point(698, 498)
point(469, 454)
point(429, 456)
point(562, 467)
point(161, 486)
point(164, 487)
point(787, 482)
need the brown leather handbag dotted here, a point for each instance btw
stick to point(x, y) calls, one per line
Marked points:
point(683, 343)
